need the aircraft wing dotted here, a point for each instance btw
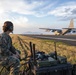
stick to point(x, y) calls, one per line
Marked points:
point(45, 28)
point(49, 29)
point(68, 28)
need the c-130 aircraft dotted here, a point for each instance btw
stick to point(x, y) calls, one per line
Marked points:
point(62, 31)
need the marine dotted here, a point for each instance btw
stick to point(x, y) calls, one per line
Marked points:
point(9, 56)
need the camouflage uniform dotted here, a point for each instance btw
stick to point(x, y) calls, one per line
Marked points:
point(6, 54)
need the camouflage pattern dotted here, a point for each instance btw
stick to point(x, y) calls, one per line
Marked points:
point(6, 54)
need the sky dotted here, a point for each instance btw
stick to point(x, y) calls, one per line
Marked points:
point(30, 15)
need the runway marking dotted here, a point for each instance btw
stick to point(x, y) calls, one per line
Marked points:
point(57, 38)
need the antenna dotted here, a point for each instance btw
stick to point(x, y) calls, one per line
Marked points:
point(34, 59)
point(55, 50)
point(31, 49)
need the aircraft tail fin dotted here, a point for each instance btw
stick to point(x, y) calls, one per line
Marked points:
point(71, 24)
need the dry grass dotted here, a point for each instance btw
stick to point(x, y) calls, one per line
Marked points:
point(22, 43)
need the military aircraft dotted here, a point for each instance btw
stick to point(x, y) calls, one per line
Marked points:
point(62, 31)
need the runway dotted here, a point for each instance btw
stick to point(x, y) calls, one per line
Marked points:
point(68, 39)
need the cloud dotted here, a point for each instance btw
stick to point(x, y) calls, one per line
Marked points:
point(27, 7)
point(16, 10)
point(15, 19)
point(66, 11)
point(18, 21)
point(38, 8)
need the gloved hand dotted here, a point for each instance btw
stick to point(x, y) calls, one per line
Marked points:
point(17, 55)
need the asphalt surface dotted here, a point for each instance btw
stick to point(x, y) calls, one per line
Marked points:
point(68, 39)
